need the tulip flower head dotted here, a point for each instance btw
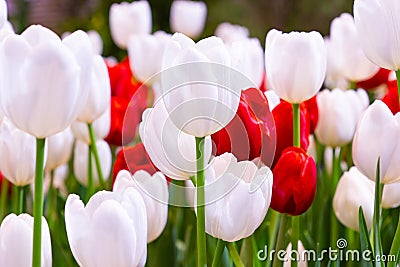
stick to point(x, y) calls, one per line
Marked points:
point(339, 112)
point(43, 79)
point(18, 152)
point(295, 64)
point(237, 197)
point(172, 151)
point(295, 180)
point(377, 136)
point(188, 17)
point(154, 191)
point(16, 234)
point(230, 32)
point(127, 19)
point(348, 53)
point(378, 27)
point(110, 231)
point(354, 190)
point(59, 149)
point(200, 90)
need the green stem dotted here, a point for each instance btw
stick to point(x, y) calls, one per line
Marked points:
point(377, 215)
point(352, 85)
point(20, 200)
point(234, 254)
point(201, 233)
point(280, 244)
point(3, 198)
point(296, 143)
point(96, 155)
point(334, 227)
point(51, 200)
point(38, 203)
point(296, 125)
point(398, 82)
point(218, 253)
point(90, 187)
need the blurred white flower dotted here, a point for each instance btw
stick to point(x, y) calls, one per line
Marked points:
point(188, 17)
point(231, 32)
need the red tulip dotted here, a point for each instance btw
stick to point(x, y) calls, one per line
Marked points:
point(128, 101)
point(381, 77)
point(283, 116)
point(312, 110)
point(132, 159)
point(295, 181)
point(391, 99)
point(251, 133)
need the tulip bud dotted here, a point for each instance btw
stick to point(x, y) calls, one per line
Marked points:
point(99, 92)
point(110, 231)
point(18, 153)
point(128, 19)
point(339, 112)
point(377, 136)
point(354, 190)
point(350, 58)
point(16, 239)
point(378, 27)
point(295, 181)
point(391, 196)
point(334, 76)
point(59, 149)
point(145, 55)
point(172, 152)
point(295, 64)
point(154, 191)
point(81, 161)
point(230, 32)
point(97, 42)
point(188, 17)
point(237, 197)
point(196, 76)
point(247, 56)
point(52, 103)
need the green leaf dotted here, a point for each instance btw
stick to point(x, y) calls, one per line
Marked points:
point(364, 238)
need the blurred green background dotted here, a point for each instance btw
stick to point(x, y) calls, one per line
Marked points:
point(258, 16)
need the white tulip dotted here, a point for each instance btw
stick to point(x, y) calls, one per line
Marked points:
point(81, 159)
point(188, 17)
point(18, 154)
point(16, 239)
point(230, 32)
point(237, 197)
point(377, 136)
point(334, 77)
point(127, 19)
point(110, 231)
point(154, 191)
point(59, 149)
point(354, 190)
point(378, 27)
point(145, 55)
point(43, 80)
point(99, 92)
point(101, 127)
point(295, 64)
point(247, 56)
point(338, 114)
point(97, 41)
point(173, 152)
point(348, 53)
point(200, 90)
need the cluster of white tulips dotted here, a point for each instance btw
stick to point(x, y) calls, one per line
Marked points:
point(323, 150)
